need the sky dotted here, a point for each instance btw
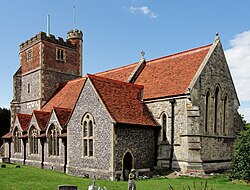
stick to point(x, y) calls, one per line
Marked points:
point(116, 31)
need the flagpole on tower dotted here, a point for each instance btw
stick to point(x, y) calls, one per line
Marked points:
point(48, 25)
point(74, 16)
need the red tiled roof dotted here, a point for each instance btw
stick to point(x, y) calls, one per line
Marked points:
point(24, 120)
point(121, 73)
point(162, 77)
point(66, 95)
point(42, 118)
point(165, 76)
point(62, 114)
point(123, 101)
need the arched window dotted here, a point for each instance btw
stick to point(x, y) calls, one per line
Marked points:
point(164, 127)
point(33, 141)
point(88, 135)
point(207, 111)
point(216, 109)
point(224, 115)
point(53, 141)
point(17, 141)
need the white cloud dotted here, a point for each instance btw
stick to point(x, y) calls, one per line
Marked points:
point(238, 58)
point(143, 10)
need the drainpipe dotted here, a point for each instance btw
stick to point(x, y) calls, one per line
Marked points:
point(42, 144)
point(9, 142)
point(172, 134)
point(24, 151)
point(65, 155)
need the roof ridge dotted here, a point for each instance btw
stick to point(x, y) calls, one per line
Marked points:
point(40, 111)
point(118, 68)
point(117, 81)
point(147, 61)
point(193, 50)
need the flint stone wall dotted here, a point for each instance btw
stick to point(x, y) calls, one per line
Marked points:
point(51, 81)
point(100, 164)
point(139, 141)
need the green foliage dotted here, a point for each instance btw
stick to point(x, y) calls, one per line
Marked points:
point(4, 122)
point(246, 125)
point(200, 186)
point(241, 157)
point(26, 177)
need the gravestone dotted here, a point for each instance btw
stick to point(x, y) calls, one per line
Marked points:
point(6, 160)
point(67, 187)
point(93, 186)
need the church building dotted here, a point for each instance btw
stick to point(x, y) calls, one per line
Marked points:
point(177, 112)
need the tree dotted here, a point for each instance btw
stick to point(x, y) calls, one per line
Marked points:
point(246, 125)
point(4, 122)
point(241, 157)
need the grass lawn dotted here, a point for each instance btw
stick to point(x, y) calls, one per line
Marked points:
point(28, 178)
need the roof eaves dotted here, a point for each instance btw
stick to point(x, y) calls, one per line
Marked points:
point(117, 81)
point(136, 124)
point(116, 69)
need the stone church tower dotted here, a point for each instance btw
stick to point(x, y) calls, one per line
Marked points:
point(44, 63)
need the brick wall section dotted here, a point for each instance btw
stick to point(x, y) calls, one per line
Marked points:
point(100, 164)
point(69, 66)
point(29, 65)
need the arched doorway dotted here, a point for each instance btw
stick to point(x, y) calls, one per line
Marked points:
point(127, 165)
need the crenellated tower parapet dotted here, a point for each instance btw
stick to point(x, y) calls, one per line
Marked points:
point(50, 38)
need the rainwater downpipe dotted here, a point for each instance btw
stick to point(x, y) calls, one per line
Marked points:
point(172, 101)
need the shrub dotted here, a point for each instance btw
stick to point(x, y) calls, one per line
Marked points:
point(240, 166)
